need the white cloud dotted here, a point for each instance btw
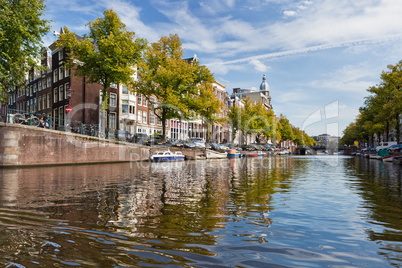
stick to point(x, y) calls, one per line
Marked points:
point(349, 78)
point(259, 66)
point(290, 13)
point(130, 15)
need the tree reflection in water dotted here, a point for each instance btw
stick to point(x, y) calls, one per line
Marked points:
point(182, 213)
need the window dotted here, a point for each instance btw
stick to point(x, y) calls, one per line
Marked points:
point(159, 122)
point(30, 90)
point(66, 72)
point(44, 102)
point(40, 103)
point(61, 55)
point(139, 100)
point(132, 109)
point(124, 106)
point(144, 102)
point(48, 100)
point(144, 117)
point(49, 81)
point(61, 92)
point(124, 109)
point(40, 85)
point(152, 119)
point(139, 117)
point(66, 86)
point(61, 72)
point(61, 115)
point(124, 89)
point(56, 95)
point(56, 75)
point(112, 121)
point(113, 100)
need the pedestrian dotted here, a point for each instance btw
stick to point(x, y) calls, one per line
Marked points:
point(46, 125)
point(42, 122)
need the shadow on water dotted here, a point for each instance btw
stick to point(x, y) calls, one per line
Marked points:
point(256, 212)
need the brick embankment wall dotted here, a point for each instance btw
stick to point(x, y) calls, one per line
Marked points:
point(31, 146)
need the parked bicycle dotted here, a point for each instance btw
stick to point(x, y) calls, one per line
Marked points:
point(74, 127)
point(26, 119)
point(89, 130)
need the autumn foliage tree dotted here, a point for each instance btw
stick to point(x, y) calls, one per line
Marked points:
point(381, 111)
point(106, 55)
point(172, 81)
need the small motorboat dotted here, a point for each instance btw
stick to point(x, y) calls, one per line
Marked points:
point(388, 158)
point(210, 154)
point(167, 156)
point(233, 154)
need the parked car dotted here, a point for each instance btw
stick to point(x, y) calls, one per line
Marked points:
point(140, 138)
point(247, 148)
point(267, 147)
point(174, 143)
point(188, 144)
point(224, 147)
point(395, 148)
point(123, 135)
point(199, 144)
point(155, 141)
point(385, 145)
point(215, 146)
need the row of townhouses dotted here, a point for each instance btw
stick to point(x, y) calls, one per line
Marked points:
point(54, 88)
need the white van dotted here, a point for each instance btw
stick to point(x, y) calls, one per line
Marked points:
point(385, 144)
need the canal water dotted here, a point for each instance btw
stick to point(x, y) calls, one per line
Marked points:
point(307, 211)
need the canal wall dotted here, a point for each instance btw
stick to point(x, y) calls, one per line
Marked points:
point(22, 145)
point(31, 146)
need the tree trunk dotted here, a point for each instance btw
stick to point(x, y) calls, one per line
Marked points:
point(387, 131)
point(398, 128)
point(163, 118)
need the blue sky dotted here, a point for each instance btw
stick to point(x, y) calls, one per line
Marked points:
point(319, 56)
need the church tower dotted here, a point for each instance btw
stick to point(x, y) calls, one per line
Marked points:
point(264, 87)
point(264, 91)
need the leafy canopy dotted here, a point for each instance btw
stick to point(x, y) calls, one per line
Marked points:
point(173, 81)
point(21, 32)
point(107, 55)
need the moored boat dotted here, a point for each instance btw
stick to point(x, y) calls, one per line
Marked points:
point(250, 154)
point(167, 156)
point(210, 154)
point(388, 158)
point(233, 154)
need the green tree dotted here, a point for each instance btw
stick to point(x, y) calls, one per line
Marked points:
point(208, 106)
point(234, 119)
point(392, 81)
point(21, 32)
point(256, 119)
point(173, 81)
point(285, 129)
point(107, 55)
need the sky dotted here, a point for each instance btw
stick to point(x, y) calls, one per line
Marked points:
point(319, 56)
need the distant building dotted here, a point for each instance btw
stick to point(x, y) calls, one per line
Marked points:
point(257, 96)
point(326, 139)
